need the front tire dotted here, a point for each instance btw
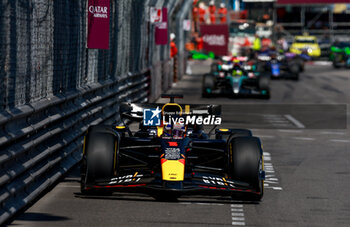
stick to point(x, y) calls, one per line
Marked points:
point(246, 163)
point(100, 157)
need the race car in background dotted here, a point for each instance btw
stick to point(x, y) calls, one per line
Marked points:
point(226, 63)
point(167, 161)
point(197, 55)
point(281, 65)
point(235, 78)
point(340, 54)
point(306, 43)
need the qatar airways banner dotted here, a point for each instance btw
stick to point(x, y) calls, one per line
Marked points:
point(98, 24)
point(215, 38)
point(282, 2)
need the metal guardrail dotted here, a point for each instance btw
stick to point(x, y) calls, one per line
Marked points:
point(43, 141)
point(52, 88)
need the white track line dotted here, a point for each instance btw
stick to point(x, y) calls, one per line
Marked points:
point(304, 138)
point(237, 214)
point(341, 141)
point(290, 131)
point(322, 63)
point(202, 204)
point(332, 133)
point(294, 121)
point(271, 181)
point(265, 136)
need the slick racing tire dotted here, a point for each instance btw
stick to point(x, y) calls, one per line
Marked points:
point(261, 67)
point(264, 81)
point(214, 67)
point(100, 157)
point(295, 68)
point(347, 64)
point(337, 60)
point(295, 76)
point(208, 85)
point(245, 163)
point(301, 63)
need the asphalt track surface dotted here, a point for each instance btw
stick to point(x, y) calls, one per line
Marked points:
point(307, 167)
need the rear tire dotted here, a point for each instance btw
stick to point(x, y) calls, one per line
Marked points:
point(208, 83)
point(296, 77)
point(347, 65)
point(336, 61)
point(245, 163)
point(264, 81)
point(294, 68)
point(214, 67)
point(100, 157)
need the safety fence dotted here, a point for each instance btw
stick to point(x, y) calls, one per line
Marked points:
point(52, 88)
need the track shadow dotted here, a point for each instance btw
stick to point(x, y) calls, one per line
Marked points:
point(195, 199)
point(31, 216)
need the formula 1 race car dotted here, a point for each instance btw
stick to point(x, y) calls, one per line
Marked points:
point(233, 79)
point(340, 54)
point(286, 65)
point(169, 160)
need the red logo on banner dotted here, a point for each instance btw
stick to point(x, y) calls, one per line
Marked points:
point(98, 24)
point(215, 38)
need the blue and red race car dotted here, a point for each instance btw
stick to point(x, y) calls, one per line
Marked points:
point(169, 160)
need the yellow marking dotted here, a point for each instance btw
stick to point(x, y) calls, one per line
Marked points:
point(135, 174)
point(84, 145)
point(120, 127)
point(173, 170)
point(159, 130)
point(187, 109)
point(183, 156)
point(162, 156)
point(223, 130)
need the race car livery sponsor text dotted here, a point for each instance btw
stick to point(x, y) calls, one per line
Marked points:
point(126, 179)
point(217, 181)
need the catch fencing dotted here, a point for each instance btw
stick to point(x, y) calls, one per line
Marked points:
point(52, 87)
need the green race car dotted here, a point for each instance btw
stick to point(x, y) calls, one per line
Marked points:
point(201, 56)
point(340, 54)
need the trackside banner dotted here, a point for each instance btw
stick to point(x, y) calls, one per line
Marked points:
point(161, 33)
point(98, 24)
point(215, 38)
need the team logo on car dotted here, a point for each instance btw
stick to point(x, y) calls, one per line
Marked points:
point(151, 117)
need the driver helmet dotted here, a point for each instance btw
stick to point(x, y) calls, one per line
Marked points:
point(237, 72)
point(178, 130)
point(236, 60)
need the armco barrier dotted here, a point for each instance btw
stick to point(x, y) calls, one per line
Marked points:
point(52, 88)
point(42, 141)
